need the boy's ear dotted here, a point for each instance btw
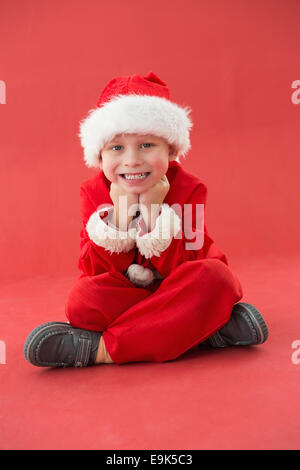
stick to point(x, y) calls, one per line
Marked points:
point(100, 160)
point(172, 152)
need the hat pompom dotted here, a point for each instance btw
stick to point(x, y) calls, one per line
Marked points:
point(139, 275)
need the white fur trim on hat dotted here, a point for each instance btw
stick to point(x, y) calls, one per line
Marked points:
point(109, 237)
point(135, 114)
point(167, 225)
point(139, 275)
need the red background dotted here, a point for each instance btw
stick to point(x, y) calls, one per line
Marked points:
point(232, 61)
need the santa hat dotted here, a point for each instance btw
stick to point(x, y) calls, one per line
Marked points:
point(134, 105)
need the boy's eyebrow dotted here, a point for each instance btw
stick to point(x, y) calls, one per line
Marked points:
point(139, 137)
point(142, 136)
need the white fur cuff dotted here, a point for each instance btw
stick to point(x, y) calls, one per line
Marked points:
point(109, 237)
point(167, 225)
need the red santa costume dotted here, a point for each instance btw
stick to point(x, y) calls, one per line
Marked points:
point(153, 295)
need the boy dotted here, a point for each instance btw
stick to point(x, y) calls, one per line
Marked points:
point(147, 291)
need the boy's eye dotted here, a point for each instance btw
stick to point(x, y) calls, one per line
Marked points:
point(147, 144)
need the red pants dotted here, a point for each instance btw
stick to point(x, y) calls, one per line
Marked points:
point(162, 321)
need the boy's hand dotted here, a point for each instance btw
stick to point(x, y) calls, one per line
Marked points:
point(151, 200)
point(156, 194)
point(122, 202)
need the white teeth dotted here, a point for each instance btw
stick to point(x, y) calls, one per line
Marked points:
point(135, 177)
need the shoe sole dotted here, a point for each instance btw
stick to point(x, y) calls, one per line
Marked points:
point(37, 334)
point(253, 317)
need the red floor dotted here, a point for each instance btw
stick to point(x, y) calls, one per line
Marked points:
point(238, 398)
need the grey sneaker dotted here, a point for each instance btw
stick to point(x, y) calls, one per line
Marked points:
point(246, 327)
point(58, 344)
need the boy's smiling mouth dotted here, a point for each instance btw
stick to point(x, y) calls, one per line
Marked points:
point(135, 176)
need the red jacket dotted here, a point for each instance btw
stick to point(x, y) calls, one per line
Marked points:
point(99, 253)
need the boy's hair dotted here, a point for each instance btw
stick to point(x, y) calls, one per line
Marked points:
point(134, 105)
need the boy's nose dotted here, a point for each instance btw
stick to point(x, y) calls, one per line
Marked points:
point(132, 158)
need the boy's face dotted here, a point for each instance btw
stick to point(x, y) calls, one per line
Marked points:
point(136, 162)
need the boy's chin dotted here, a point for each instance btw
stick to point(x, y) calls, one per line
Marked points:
point(136, 190)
